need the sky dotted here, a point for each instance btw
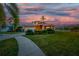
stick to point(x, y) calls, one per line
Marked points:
point(62, 13)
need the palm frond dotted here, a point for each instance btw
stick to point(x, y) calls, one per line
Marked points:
point(2, 16)
point(14, 13)
point(15, 7)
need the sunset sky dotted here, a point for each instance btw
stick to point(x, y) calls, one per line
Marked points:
point(63, 13)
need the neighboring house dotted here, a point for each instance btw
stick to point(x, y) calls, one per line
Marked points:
point(39, 25)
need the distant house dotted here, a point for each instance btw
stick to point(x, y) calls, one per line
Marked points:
point(39, 25)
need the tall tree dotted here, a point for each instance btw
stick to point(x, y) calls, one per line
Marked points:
point(14, 11)
point(2, 17)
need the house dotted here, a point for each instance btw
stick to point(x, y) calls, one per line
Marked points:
point(39, 25)
point(28, 26)
point(42, 25)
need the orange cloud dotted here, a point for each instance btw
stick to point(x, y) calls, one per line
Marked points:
point(67, 19)
point(38, 17)
point(60, 19)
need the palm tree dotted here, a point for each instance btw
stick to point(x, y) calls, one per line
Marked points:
point(13, 11)
point(2, 17)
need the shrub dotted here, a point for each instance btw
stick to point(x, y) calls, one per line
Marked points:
point(29, 32)
point(19, 29)
point(44, 32)
point(50, 31)
point(47, 31)
point(38, 32)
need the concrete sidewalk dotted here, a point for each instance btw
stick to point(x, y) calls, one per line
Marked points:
point(27, 47)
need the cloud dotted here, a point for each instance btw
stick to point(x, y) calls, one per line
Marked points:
point(56, 19)
point(59, 13)
point(50, 9)
point(31, 18)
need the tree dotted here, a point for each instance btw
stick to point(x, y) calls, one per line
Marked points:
point(14, 11)
point(75, 28)
point(2, 17)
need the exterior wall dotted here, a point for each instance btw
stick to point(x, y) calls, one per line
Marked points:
point(46, 27)
point(38, 27)
point(43, 27)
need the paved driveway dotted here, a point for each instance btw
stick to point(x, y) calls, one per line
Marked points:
point(26, 46)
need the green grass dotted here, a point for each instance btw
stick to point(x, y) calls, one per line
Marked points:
point(10, 32)
point(58, 44)
point(8, 47)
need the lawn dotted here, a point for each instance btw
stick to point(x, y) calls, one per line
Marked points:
point(10, 32)
point(8, 47)
point(58, 44)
